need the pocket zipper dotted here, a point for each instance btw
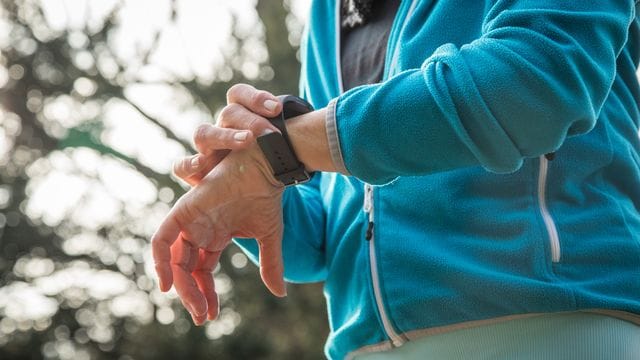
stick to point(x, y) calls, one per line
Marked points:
point(554, 240)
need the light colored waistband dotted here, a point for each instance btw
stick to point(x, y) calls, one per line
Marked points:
point(566, 336)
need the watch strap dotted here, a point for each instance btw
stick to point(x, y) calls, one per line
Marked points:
point(277, 147)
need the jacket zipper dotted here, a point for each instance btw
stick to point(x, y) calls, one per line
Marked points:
point(391, 333)
point(368, 209)
point(554, 240)
point(396, 339)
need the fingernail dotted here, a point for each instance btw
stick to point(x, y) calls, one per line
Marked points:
point(270, 104)
point(195, 161)
point(241, 136)
point(195, 320)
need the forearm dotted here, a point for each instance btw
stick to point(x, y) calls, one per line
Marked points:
point(514, 93)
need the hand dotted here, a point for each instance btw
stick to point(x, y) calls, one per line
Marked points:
point(239, 123)
point(238, 198)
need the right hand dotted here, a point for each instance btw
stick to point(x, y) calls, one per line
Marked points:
point(239, 123)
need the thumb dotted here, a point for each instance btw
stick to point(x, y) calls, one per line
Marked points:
point(271, 266)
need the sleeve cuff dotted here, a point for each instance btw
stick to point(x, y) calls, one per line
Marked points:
point(333, 139)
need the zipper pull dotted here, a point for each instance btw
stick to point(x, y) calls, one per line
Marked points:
point(368, 209)
point(368, 198)
point(369, 234)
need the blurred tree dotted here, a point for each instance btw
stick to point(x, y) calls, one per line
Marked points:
point(77, 204)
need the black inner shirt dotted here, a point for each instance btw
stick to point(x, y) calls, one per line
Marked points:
point(364, 47)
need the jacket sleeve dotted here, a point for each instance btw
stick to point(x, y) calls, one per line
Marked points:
point(303, 237)
point(540, 72)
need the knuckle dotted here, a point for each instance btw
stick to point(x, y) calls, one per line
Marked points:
point(184, 215)
point(235, 91)
point(156, 244)
point(200, 134)
point(257, 124)
point(228, 114)
point(253, 123)
point(232, 91)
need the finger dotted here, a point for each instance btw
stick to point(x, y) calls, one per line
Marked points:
point(199, 320)
point(271, 267)
point(193, 173)
point(183, 262)
point(188, 166)
point(191, 298)
point(184, 254)
point(208, 138)
point(161, 242)
point(203, 274)
point(257, 101)
point(235, 116)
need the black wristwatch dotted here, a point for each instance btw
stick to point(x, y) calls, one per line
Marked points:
point(277, 148)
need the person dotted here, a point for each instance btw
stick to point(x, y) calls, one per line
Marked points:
point(494, 145)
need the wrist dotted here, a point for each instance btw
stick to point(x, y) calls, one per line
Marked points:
point(308, 137)
point(248, 166)
point(262, 164)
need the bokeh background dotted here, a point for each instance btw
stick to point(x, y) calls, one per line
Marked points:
point(97, 99)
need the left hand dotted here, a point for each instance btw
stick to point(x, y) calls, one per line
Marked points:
point(238, 198)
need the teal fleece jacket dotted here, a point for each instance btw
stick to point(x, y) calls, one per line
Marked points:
point(469, 222)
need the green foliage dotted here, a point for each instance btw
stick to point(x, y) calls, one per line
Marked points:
point(75, 286)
